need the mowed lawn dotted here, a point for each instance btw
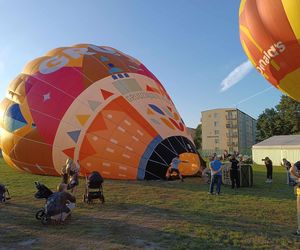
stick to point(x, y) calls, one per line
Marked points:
point(155, 215)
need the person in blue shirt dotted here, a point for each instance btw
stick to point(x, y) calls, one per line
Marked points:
point(216, 175)
point(173, 168)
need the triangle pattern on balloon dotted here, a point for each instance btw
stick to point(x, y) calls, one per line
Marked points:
point(106, 94)
point(97, 124)
point(94, 104)
point(69, 152)
point(74, 135)
point(82, 119)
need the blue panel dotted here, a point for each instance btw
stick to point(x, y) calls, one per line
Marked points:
point(156, 109)
point(126, 75)
point(114, 77)
point(15, 113)
point(12, 124)
point(120, 75)
point(104, 59)
point(144, 159)
point(74, 135)
point(114, 70)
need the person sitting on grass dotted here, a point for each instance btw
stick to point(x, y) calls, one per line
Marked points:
point(173, 168)
point(60, 204)
point(295, 173)
point(216, 175)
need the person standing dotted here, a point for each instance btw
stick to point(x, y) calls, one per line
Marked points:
point(295, 172)
point(216, 175)
point(269, 166)
point(234, 172)
point(287, 166)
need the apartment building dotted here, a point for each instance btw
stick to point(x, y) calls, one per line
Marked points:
point(229, 129)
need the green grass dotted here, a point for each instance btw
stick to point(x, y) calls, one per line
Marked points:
point(155, 215)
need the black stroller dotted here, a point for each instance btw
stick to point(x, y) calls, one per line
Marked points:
point(93, 182)
point(4, 194)
point(42, 193)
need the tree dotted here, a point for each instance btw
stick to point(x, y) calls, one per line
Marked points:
point(198, 137)
point(284, 120)
point(289, 111)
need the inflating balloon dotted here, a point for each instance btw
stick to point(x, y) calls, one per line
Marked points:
point(97, 106)
point(270, 36)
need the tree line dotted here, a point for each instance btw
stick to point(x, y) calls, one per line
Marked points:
point(283, 119)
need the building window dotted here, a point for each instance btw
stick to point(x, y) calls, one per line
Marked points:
point(216, 124)
point(217, 141)
point(217, 132)
point(216, 115)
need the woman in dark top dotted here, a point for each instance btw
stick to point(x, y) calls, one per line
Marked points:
point(234, 172)
point(269, 166)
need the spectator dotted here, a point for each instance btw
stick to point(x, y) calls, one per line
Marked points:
point(287, 166)
point(61, 203)
point(295, 172)
point(216, 175)
point(234, 173)
point(72, 169)
point(269, 166)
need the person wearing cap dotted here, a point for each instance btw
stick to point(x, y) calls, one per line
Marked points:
point(174, 168)
point(216, 175)
point(269, 166)
point(287, 166)
point(295, 172)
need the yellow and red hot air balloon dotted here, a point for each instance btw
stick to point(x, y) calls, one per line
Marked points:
point(270, 36)
point(96, 105)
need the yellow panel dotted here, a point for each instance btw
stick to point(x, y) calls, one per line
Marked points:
point(246, 31)
point(242, 6)
point(291, 84)
point(292, 10)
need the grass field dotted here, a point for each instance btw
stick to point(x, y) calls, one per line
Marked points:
point(155, 215)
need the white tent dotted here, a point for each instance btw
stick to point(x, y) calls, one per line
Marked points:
point(277, 148)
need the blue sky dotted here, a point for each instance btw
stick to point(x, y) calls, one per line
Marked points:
point(190, 45)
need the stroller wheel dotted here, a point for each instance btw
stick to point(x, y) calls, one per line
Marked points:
point(40, 214)
point(46, 220)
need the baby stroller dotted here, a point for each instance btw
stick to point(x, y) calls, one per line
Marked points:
point(93, 182)
point(42, 193)
point(4, 194)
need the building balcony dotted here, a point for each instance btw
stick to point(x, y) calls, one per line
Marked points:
point(231, 117)
point(233, 126)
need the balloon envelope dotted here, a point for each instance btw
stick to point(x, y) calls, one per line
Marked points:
point(270, 36)
point(97, 106)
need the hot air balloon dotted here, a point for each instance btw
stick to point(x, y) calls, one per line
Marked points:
point(98, 106)
point(270, 36)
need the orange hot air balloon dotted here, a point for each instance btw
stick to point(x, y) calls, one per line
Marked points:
point(270, 36)
point(98, 106)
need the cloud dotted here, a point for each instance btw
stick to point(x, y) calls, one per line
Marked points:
point(235, 76)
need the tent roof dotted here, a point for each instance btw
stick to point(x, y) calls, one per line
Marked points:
point(280, 141)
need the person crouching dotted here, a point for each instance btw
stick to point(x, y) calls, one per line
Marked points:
point(62, 203)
